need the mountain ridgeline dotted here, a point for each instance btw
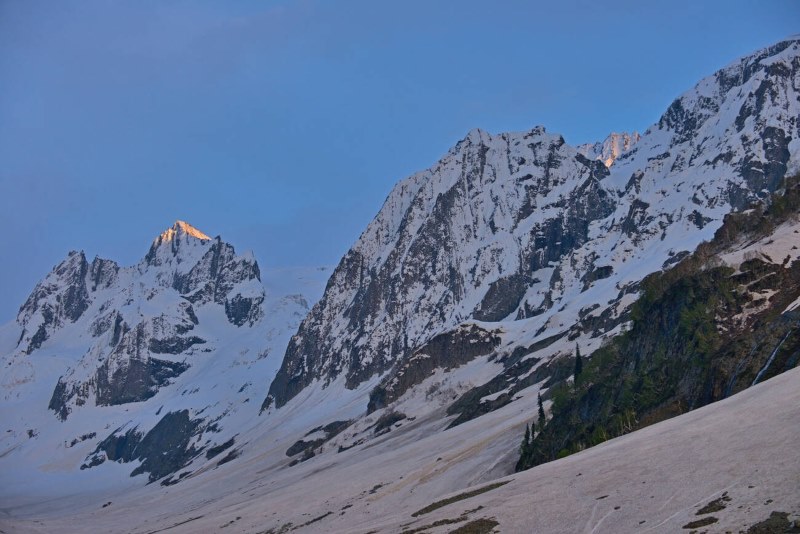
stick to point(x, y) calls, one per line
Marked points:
point(524, 228)
point(147, 362)
point(138, 352)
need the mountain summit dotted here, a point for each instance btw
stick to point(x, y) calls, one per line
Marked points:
point(180, 240)
point(611, 148)
point(181, 228)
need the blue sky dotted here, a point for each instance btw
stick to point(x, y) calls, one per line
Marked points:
point(283, 125)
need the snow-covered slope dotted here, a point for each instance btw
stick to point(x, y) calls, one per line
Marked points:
point(523, 229)
point(101, 355)
point(739, 451)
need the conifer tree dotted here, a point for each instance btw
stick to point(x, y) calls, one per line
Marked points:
point(541, 412)
point(578, 363)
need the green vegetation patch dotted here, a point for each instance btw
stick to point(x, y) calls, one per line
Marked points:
point(715, 506)
point(686, 346)
point(459, 497)
point(479, 526)
point(701, 522)
point(776, 522)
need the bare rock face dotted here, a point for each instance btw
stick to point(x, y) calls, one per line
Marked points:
point(521, 226)
point(445, 351)
point(131, 373)
point(162, 450)
point(60, 298)
point(213, 279)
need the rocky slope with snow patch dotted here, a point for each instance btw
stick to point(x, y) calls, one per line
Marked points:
point(721, 320)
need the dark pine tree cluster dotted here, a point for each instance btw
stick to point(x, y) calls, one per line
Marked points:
point(529, 444)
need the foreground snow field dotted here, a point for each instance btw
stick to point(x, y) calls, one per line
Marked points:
point(654, 480)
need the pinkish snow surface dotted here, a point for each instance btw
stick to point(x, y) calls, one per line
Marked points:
point(654, 480)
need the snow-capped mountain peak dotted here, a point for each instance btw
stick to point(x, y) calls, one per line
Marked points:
point(182, 242)
point(129, 318)
point(104, 349)
point(181, 228)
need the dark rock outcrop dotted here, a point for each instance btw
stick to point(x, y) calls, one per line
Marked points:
point(60, 298)
point(163, 450)
point(445, 351)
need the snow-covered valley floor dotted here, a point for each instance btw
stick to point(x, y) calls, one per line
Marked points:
point(742, 450)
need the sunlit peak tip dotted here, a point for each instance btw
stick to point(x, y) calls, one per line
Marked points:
point(182, 228)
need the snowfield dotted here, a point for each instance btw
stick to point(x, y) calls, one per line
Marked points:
point(653, 480)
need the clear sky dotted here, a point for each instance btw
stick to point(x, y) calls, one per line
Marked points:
point(283, 125)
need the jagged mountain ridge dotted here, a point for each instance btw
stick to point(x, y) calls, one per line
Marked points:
point(138, 346)
point(523, 226)
point(171, 341)
point(428, 266)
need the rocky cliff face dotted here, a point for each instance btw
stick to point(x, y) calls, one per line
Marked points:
point(61, 298)
point(464, 239)
point(523, 227)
